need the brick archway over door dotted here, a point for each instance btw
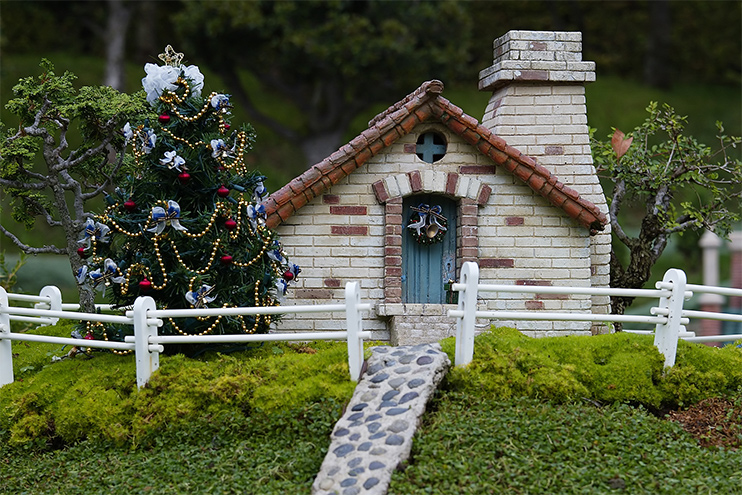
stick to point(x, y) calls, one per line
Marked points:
point(469, 192)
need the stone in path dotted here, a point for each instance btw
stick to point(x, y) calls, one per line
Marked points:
point(375, 434)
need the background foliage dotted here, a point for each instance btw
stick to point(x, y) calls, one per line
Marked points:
point(703, 56)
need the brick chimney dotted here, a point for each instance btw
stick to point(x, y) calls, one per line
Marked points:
point(537, 105)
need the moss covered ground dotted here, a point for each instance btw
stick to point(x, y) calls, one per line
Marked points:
point(562, 415)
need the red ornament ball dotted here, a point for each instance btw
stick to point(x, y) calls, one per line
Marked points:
point(164, 118)
point(184, 177)
point(130, 205)
point(230, 224)
point(81, 252)
point(226, 260)
point(223, 192)
point(145, 285)
point(226, 127)
point(288, 275)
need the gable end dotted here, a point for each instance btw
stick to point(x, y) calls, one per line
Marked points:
point(424, 105)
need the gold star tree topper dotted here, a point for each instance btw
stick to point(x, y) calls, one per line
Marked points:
point(171, 57)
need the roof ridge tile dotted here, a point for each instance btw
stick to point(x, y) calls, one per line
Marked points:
point(426, 90)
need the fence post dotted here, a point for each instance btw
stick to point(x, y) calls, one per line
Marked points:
point(55, 301)
point(666, 334)
point(147, 361)
point(6, 350)
point(465, 323)
point(354, 324)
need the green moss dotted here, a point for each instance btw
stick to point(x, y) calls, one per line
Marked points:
point(95, 397)
point(31, 357)
point(618, 367)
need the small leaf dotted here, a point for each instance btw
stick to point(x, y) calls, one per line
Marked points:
point(620, 143)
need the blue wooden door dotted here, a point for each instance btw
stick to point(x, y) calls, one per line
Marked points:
point(425, 268)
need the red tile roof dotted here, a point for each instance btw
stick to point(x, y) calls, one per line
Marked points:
point(426, 104)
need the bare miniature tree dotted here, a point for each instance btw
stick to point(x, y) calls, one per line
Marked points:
point(47, 178)
point(677, 183)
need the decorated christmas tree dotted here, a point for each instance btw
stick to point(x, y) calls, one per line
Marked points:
point(187, 227)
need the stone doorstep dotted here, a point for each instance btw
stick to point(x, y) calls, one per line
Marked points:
point(375, 433)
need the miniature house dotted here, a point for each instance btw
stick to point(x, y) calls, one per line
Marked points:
point(427, 187)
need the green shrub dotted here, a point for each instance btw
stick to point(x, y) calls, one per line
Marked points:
point(619, 367)
point(95, 397)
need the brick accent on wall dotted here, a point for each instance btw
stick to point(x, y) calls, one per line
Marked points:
point(511, 221)
point(348, 210)
point(467, 249)
point(313, 293)
point(349, 230)
point(496, 263)
point(534, 305)
point(393, 264)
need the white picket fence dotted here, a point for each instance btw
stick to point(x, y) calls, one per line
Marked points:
point(146, 318)
point(669, 316)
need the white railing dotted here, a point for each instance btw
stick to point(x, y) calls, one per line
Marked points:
point(669, 316)
point(146, 318)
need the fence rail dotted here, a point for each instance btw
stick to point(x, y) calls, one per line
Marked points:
point(669, 316)
point(146, 318)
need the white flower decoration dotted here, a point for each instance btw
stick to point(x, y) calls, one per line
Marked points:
point(218, 147)
point(220, 102)
point(197, 79)
point(148, 141)
point(162, 218)
point(159, 78)
point(164, 77)
point(172, 160)
point(128, 133)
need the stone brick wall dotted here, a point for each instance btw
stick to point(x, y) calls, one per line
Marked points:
point(515, 234)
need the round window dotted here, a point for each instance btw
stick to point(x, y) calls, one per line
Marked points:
point(431, 147)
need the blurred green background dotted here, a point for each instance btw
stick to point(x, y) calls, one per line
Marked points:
point(685, 53)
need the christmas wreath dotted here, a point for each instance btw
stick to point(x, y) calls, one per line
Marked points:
point(426, 224)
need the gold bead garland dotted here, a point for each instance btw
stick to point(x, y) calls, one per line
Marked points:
point(217, 208)
point(208, 265)
point(182, 140)
point(239, 162)
point(233, 161)
point(107, 218)
point(91, 324)
point(156, 244)
point(266, 243)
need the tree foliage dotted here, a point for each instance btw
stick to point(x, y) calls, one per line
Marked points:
point(330, 59)
point(53, 115)
point(673, 182)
